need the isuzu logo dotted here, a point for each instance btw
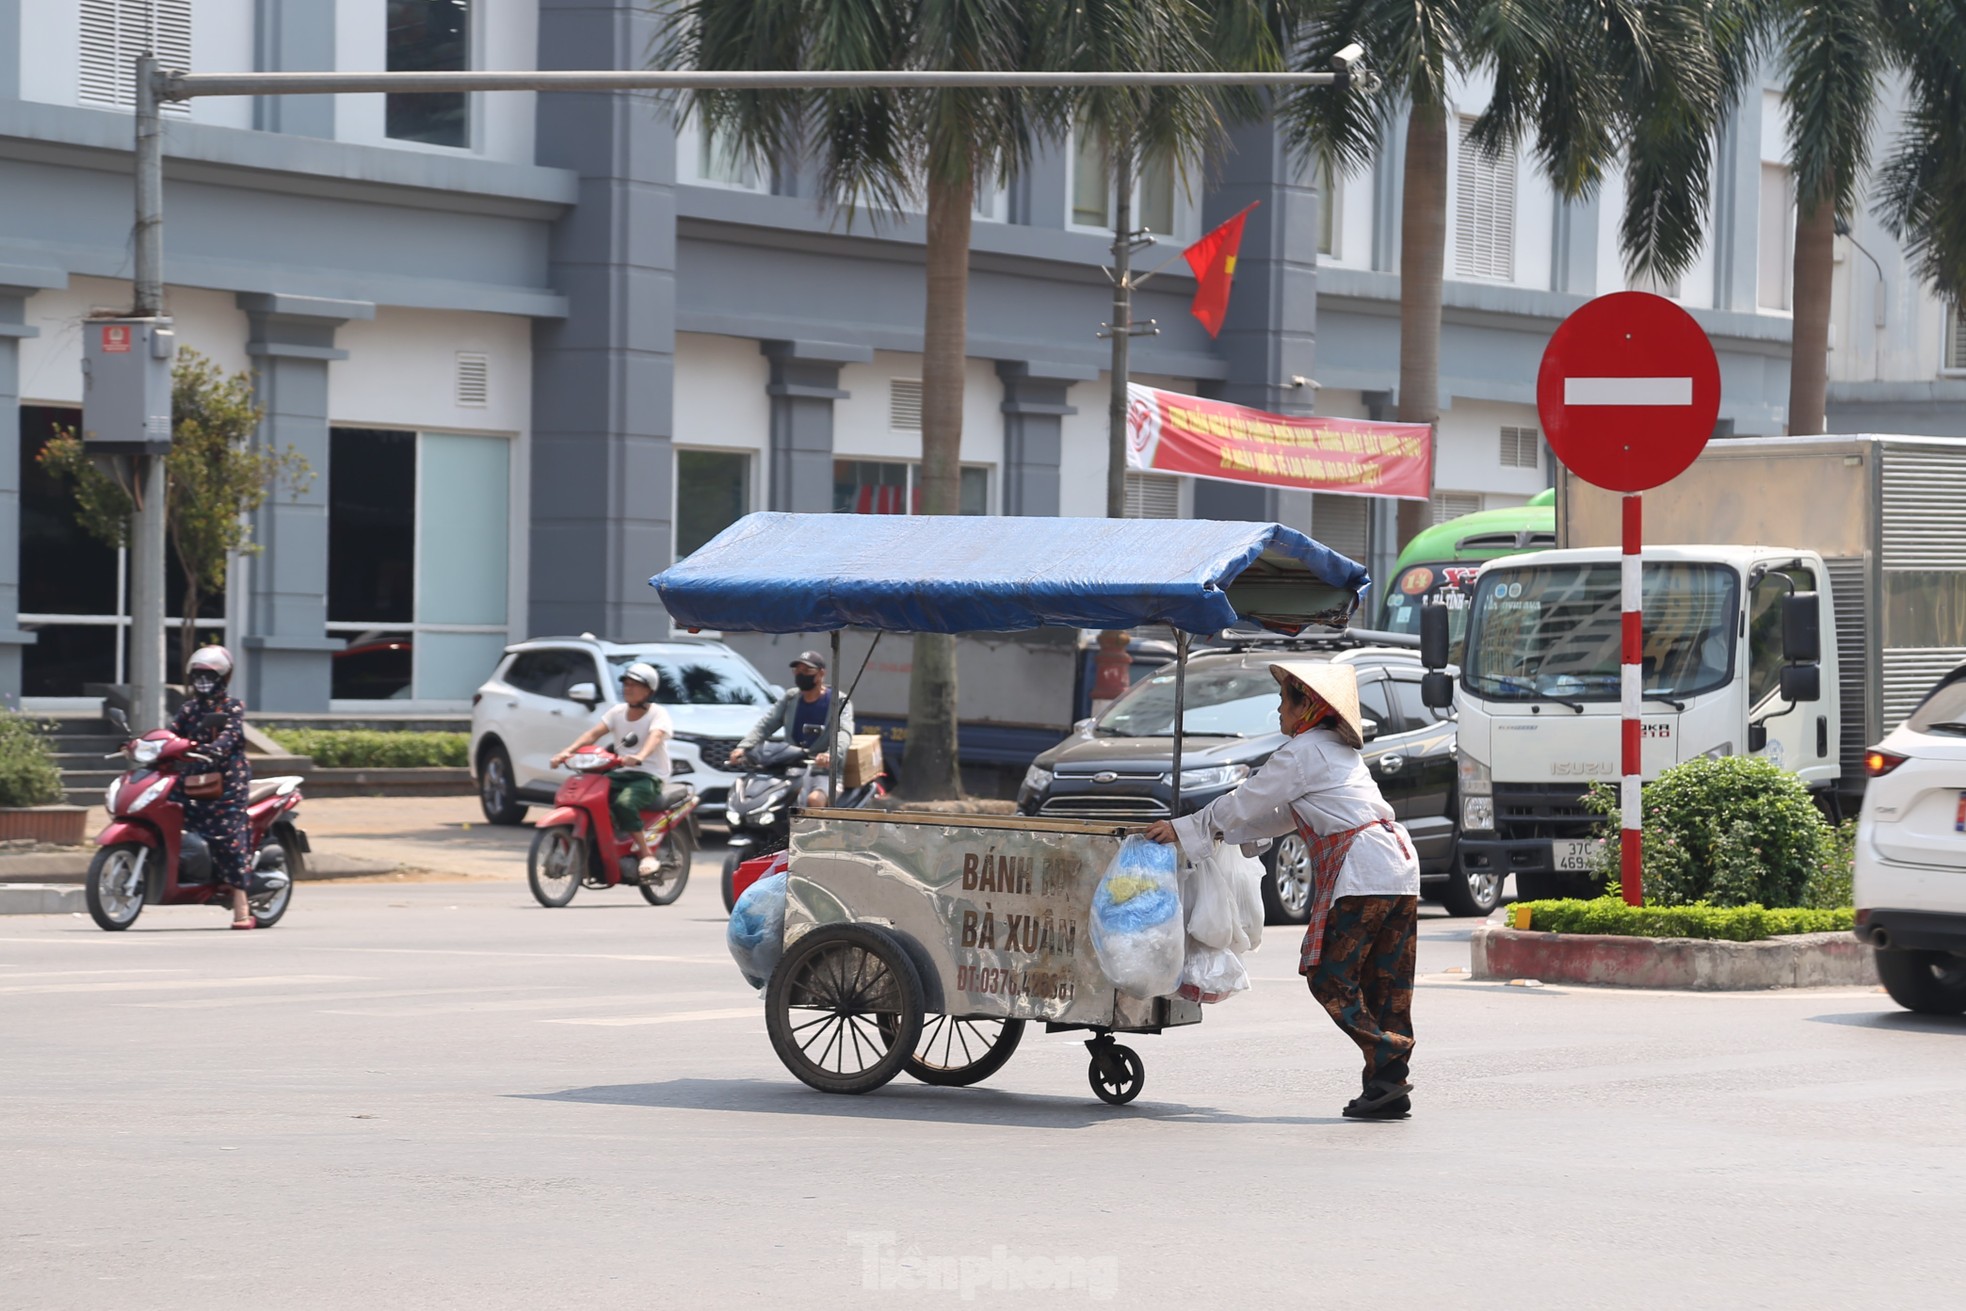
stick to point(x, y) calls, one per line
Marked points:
point(1583, 767)
point(1105, 776)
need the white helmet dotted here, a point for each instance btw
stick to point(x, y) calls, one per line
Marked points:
point(643, 673)
point(211, 660)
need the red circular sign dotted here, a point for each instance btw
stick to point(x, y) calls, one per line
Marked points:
point(1629, 391)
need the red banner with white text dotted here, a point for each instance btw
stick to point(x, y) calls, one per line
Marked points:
point(1168, 432)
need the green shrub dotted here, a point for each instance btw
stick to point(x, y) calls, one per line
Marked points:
point(28, 776)
point(1735, 831)
point(1829, 887)
point(1700, 920)
point(365, 748)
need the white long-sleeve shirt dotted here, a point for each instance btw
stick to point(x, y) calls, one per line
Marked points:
point(1317, 777)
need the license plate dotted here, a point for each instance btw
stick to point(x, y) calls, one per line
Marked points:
point(1573, 855)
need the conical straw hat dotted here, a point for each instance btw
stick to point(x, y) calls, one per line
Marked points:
point(1335, 685)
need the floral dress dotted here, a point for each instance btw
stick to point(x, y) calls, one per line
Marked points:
point(222, 821)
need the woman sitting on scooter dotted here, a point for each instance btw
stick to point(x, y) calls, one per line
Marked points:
point(641, 730)
point(217, 723)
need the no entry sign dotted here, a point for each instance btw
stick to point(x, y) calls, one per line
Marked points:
point(1629, 391)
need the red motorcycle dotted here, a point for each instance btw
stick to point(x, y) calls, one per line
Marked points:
point(575, 845)
point(148, 857)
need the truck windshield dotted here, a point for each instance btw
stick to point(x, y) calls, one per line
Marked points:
point(1552, 632)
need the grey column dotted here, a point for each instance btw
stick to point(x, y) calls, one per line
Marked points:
point(10, 66)
point(1269, 337)
point(1034, 410)
point(16, 285)
point(603, 378)
point(805, 381)
point(1573, 254)
point(1736, 227)
point(291, 342)
point(294, 36)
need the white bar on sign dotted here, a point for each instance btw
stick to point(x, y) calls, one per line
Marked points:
point(1627, 391)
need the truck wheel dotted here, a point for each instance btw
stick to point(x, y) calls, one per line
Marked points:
point(1472, 892)
point(1928, 982)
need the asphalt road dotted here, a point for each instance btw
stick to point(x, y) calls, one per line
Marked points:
point(437, 1094)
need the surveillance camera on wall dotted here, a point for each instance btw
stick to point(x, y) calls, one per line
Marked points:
point(1348, 58)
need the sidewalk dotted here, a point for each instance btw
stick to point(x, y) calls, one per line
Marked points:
point(351, 837)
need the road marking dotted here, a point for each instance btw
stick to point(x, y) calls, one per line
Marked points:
point(532, 955)
point(267, 998)
point(1628, 391)
point(678, 1017)
point(516, 1004)
point(140, 985)
point(60, 974)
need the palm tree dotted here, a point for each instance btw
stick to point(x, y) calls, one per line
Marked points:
point(1923, 184)
point(1587, 82)
point(884, 151)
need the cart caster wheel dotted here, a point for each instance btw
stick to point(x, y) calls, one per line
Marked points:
point(1116, 1074)
point(844, 1008)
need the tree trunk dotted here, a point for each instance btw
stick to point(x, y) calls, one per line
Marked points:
point(1422, 252)
point(929, 770)
point(1815, 264)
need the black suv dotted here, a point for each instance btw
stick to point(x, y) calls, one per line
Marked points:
point(1118, 766)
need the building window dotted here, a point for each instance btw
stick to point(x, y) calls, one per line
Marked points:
point(1777, 231)
point(993, 199)
point(713, 491)
point(1484, 211)
point(115, 32)
point(892, 487)
point(1327, 210)
point(904, 405)
point(1153, 496)
point(1522, 448)
point(418, 551)
point(720, 162)
point(1955, 344)
point(1452, 505)
point(1157, 197)
point(429, 36)
point(1343, 523)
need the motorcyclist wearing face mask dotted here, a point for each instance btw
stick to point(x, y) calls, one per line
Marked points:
point(217, 722)
point(801, 714)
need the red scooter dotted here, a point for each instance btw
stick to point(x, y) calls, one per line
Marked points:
point(575, 844)
point(148, 857)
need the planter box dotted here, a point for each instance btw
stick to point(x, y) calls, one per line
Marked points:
point(1803, 960)
point(64, 826)
point(421, 782)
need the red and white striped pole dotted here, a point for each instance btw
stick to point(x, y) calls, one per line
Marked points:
point(1631, 687)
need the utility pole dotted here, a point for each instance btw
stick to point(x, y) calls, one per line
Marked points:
point(147, 535)
point(1122, 329)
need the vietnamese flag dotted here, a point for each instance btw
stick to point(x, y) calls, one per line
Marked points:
point(1213, 259)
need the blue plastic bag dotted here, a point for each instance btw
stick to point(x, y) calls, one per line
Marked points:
point(1137, 930)
point(756, 933)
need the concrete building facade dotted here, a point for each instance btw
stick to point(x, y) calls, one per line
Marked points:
point(533, 346)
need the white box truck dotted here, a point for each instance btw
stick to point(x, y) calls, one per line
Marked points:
point(1812, 590)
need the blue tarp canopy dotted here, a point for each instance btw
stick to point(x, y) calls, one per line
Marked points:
point(806, 573)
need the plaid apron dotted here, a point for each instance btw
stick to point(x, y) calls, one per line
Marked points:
point(1328, 852)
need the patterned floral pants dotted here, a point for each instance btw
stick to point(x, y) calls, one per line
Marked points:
point(1364, 978)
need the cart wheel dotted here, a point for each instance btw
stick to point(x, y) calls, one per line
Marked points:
point(955, 1053)
point(844, 1008)
point(1117, 1074)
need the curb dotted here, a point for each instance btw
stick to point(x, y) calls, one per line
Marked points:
point(1804, 960)
point(432, 781)
point(41, 899)
point(43, 868)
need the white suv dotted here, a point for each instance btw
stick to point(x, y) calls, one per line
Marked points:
point(547, 691)
point(1911, 854)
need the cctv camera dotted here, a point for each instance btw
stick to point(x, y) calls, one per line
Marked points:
point(1345, 59)
point(1299, 380)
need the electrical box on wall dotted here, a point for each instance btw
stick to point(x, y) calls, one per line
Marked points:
point(126, 386)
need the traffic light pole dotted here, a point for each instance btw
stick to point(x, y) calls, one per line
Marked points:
point(147, 671)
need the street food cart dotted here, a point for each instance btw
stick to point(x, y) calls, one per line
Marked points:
point(925, 941)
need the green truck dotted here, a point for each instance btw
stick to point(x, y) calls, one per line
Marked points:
point(1438, 566)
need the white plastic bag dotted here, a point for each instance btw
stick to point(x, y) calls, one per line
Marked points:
point(1136, 927)
point(1225, 903)
point(1212, 974)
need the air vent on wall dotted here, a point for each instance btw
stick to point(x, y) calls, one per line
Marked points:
point(1152, 496)
point(114, 32)
point(473, 379)
point(1521, 448)
point(904, 405)
point(1452, 505)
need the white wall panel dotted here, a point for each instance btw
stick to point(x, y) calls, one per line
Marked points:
point(51, 364)
point(401, 372)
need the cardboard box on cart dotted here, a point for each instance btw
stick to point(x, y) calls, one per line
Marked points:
point(863, 760)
